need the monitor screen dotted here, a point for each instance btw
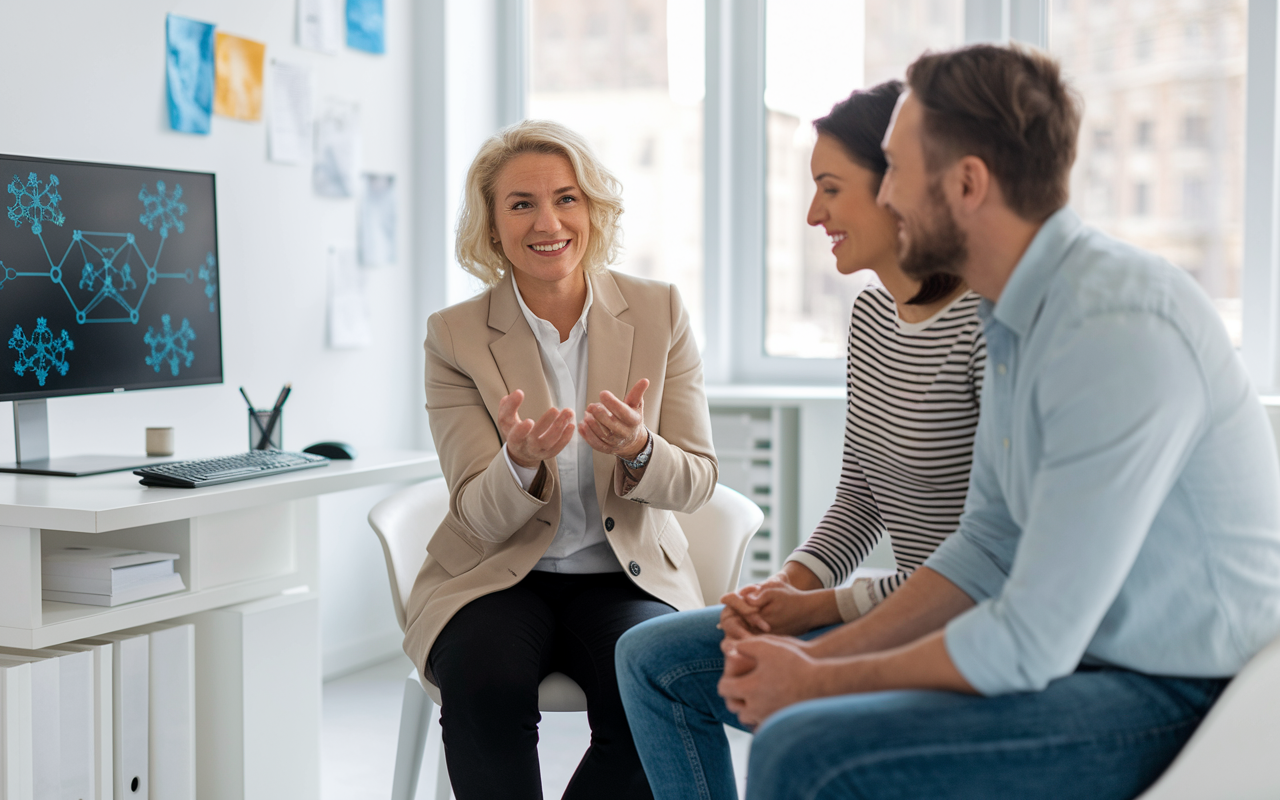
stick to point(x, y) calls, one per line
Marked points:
point(108, 279)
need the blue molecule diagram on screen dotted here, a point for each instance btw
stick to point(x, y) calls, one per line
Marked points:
point(41, 352)
point(35, 203)
point(208, 273)
point(162, 208)
point(108, 270)
point(170, 346)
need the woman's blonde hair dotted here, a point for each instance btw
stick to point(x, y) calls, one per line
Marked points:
point(475, 248)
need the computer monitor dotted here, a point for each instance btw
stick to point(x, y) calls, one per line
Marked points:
point(108, 283)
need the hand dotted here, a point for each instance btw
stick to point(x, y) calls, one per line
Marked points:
point(764, 674)
point(741, 614)
point(530, 443)
point(616, 427)
point(777, 606)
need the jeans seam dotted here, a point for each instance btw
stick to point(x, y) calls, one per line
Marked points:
point(1008, 745)
point(691, 750)
point(706, 665)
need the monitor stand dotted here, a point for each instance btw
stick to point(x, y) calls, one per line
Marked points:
point(31, 443)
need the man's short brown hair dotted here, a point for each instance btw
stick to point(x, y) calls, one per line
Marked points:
point(1009, 107)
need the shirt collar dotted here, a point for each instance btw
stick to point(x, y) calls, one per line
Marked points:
point(541, 327)
point(1024, 293)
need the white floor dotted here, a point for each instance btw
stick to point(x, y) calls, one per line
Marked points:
point(361, 723)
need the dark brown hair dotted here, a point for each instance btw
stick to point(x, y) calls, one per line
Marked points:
point(858, 123)
point(1009, 107)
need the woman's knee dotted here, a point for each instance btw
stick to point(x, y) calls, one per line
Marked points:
point(657, 645)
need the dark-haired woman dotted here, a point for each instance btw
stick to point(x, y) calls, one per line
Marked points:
point(916, 356)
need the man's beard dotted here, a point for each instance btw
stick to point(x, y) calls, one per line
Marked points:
point(941, 249)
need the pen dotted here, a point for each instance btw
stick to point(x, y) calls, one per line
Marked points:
point(253, 412)
point(275, 415)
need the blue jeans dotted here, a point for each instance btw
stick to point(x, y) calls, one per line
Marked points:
point(1095, 734)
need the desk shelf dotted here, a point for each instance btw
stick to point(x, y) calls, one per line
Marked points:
point(237, 542)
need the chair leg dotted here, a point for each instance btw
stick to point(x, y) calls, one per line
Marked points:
point(415, 717)
point(443, 791)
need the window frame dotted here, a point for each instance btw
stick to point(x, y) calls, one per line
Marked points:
point(734, 153)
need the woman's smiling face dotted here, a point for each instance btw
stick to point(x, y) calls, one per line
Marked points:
point(541, 217)
point(863, 235)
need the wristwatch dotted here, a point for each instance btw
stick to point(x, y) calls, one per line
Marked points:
point(643, 458)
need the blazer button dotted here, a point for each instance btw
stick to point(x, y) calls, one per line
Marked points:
point(608, 525)
point(635, 568)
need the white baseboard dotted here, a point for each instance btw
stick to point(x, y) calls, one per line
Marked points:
point(355, 656)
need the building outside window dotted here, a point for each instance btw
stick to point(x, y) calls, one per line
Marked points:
point(629, 77)
point(807, 302)
point(1185, 77)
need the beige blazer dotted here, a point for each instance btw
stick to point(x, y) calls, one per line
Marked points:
point(482, 349)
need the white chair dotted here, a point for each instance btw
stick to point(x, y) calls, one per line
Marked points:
point(718, 534)
point(1235, 752)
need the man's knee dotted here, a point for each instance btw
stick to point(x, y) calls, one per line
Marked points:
point(793, 747)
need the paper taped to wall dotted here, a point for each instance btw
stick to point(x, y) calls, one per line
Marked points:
point(289, 113)
point(348, 304)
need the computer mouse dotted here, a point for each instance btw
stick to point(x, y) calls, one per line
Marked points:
point(335, 450)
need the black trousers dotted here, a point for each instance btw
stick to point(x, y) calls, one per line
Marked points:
point(489, 660)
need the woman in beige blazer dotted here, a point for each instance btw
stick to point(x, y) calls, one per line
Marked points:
point(567, 406)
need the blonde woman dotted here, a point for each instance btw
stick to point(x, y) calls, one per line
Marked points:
point(567, 406)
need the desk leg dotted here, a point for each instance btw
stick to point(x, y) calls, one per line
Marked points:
point(258, 697)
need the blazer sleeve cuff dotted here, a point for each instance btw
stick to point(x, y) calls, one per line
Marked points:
point(495, 505)
point(668, 466)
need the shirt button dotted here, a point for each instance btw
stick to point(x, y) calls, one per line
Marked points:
point(1006, 443)
point(608, 526)
point(1001, 369)
point(635, 568)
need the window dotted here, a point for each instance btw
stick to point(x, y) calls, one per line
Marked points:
point(1193, 198)
point(807, 302)
point(1195, 130)
point(1141, 199)
point(629, 77)
point(1144, 45)
point(1193, 89)
point(1144, 133)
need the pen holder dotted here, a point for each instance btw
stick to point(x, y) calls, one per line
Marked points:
point(258, 422)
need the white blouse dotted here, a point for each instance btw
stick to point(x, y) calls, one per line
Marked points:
point(580, 545)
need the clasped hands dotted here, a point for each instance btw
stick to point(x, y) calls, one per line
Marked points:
point(765, 667)
point(612, 426)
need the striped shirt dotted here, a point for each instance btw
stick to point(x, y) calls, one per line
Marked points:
point(908, 441)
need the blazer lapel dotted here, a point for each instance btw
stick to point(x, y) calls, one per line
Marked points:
point(609, 341)
point(516, 353)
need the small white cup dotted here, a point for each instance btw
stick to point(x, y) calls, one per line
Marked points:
point(159, 441)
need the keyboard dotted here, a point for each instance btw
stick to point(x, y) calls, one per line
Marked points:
point(211, 471)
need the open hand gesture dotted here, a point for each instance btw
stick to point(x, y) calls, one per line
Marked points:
point(530, 443)
point(616, 427)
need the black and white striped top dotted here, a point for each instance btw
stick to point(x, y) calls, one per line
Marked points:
point(908, 442)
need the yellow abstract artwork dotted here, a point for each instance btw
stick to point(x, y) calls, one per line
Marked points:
point(238, 89)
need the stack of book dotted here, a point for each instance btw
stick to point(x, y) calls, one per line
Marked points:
point(106, 576)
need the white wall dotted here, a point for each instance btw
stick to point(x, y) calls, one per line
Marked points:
point(85, 80)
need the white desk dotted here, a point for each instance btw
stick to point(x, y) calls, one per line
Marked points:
point(258, 735)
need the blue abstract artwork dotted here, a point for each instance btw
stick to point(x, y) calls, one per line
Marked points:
point(366, 26)
point(189, 67)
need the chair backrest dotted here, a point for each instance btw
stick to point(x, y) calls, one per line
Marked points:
point(718, 534)
point(1234, 751)
point(405, 522)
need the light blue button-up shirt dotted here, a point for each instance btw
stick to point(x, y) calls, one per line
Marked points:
point(1123, 506)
